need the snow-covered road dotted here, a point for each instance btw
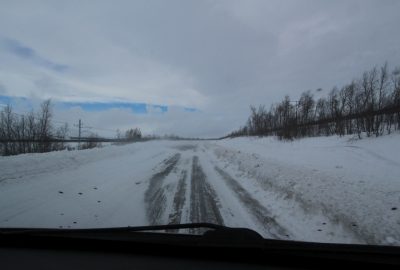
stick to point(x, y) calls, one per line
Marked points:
point(167, 182)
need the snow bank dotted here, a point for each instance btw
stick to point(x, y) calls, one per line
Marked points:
point(101, 187)
point(12, 167)
point(354, 182)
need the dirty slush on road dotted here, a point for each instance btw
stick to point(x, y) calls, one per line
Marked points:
point(203, 204)
point(193, 198)
point(188, 186)
point(196, 196)
point(155, 194)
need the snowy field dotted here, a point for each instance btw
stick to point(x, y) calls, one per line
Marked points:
point(326, 189)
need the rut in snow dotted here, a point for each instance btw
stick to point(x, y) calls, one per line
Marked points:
point(179, 200)
point(154, 196)
point(203, 199)
point(261, 214)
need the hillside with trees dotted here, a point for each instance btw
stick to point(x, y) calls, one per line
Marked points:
point(370, 105)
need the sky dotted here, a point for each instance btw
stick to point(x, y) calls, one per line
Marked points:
point(190, 68)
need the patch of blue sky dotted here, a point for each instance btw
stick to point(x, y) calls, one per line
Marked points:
point(6, 100)
point(103, 106)
point(9, 100)
point(135, 107)
point(20, 102)
point(161, 108)
point(17, 48)
point(191, 110)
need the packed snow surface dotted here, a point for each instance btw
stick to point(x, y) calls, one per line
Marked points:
point(325, 189)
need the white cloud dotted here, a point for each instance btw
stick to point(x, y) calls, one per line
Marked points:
point(176, 121)
point(217, 56)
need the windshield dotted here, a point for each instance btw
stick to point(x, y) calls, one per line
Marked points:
point(278, 116)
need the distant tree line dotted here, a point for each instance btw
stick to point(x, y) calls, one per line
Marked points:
point(370, 105)
point(31, 133)
point(131, 135)
point(92, 141)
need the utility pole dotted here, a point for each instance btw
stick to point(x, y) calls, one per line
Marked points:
point(79, 133)
point(80, 128)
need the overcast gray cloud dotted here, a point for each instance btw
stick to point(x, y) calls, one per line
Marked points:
point(217, 56)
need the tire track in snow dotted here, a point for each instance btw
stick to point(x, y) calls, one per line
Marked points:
point(154, 196)
point(175, 217)
point(203, 199)
point(179, 200)
point(262, 214)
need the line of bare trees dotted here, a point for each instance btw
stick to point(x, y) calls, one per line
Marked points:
point(370, 105)
point(31, 133)
point(131, 135)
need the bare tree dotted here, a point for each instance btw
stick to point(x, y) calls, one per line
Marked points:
point(369, 105)
point(44, 126)
point(133, 134)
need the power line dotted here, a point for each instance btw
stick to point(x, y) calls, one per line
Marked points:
point(104, 129)
point(59, 121)
point(80, 129)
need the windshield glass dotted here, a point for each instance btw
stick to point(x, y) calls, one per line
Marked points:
point(278, 116)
